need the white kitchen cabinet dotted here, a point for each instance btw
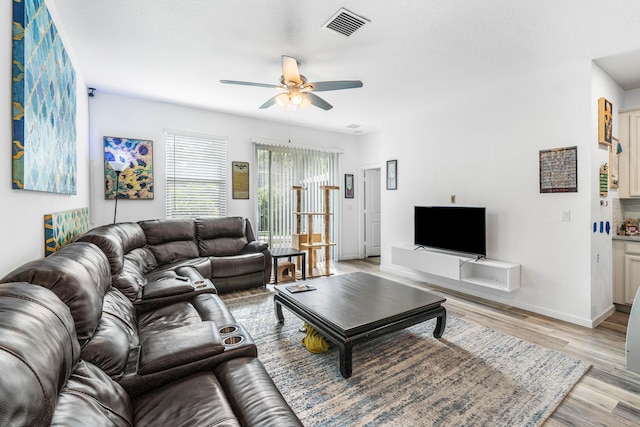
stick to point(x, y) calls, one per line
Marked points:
point(631, 277)
point(629, 159)
point(618, 271)
point(626, 271)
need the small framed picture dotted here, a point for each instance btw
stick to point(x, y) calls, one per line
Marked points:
point(240, 180)
point(631, 230)
point(348, 186)
point(605, 121)
point(559, 170)
point(392, 174)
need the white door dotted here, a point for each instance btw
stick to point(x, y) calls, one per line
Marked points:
point(372, 212)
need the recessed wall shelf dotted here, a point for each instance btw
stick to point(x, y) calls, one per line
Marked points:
point(500, 275)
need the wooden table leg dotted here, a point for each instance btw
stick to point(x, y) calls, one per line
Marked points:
point(441, 323)
point(278, 309)
point(275, 272)
point(304, 272)
point(346, 350)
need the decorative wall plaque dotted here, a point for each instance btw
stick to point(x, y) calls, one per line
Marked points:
point(240, 180)
point(559, 170)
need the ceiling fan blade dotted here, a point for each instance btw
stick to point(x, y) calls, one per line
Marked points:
point(290, 70)
point(318, 102)
point(335, 85)
point(235, 82)
point(269, 102)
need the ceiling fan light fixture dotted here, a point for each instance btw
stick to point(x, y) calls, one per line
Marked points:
point(282, 99)
point(296, 98)
point(305, 103)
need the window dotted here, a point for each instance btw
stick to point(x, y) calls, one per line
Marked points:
point(196, 175)
point(278, 169)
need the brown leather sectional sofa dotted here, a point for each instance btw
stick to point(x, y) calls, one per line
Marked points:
point(126, 328)
point(223, 249)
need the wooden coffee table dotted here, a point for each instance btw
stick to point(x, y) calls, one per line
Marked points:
point(353, 307)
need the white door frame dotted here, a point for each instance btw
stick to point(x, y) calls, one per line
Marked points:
point(360, 186)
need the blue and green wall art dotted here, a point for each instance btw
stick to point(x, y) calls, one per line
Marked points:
point(62, 228)
point(44, 103)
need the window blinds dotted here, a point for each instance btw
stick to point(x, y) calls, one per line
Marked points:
point(280, 168)
point(196, 175)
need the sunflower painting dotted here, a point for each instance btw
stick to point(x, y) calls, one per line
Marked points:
point(136, 181)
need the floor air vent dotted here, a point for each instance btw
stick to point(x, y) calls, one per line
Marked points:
point(345, 22)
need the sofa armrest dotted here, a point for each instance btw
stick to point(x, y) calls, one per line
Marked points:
point(167, 286)
point(167, 349)
point(168, 291)
point(255, 398)
point(255, 246)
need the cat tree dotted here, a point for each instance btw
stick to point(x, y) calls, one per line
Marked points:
point(310, 241)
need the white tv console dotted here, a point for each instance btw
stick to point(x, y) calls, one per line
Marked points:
point(504, 276)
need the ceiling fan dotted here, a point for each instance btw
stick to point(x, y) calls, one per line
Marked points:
point(298, 92)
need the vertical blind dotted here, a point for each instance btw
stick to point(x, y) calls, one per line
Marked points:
point(279, 169)
point(196, 175)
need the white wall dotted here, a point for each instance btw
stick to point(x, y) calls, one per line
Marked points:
point(369, 146)
point(601, 207)
point(631, 99)
point(369, 157)
point(116, 115)
point(22, 212)
point(484, 147)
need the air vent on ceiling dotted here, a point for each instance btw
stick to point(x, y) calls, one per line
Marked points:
point(345, 22)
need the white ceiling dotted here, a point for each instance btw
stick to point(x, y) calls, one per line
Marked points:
point(412, 53)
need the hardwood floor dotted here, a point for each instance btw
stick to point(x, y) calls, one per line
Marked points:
point(608, 395)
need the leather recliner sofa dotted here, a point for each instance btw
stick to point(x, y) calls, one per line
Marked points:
point(45, 381)
point(137, 350)
point(150, 260)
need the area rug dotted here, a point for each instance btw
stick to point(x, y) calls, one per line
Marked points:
point(472, 376)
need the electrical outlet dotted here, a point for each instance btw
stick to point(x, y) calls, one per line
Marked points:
point(453, 199)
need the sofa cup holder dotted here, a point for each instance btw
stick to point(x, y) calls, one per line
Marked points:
point(233, 340)
point(227, 330)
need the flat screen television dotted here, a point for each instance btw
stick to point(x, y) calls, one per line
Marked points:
point(451, 228)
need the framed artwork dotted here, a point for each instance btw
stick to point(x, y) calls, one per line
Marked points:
point(605, 121)
point(240, 180)
point(62, 228)
point(44, 156)
point(392, 174)
point(136, 180)
point(348, 186)
point(559, 170)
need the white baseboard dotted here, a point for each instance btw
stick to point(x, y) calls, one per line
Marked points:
point(608, 312)
point(461, 287)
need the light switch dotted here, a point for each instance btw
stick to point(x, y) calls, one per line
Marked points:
point(566, 215)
